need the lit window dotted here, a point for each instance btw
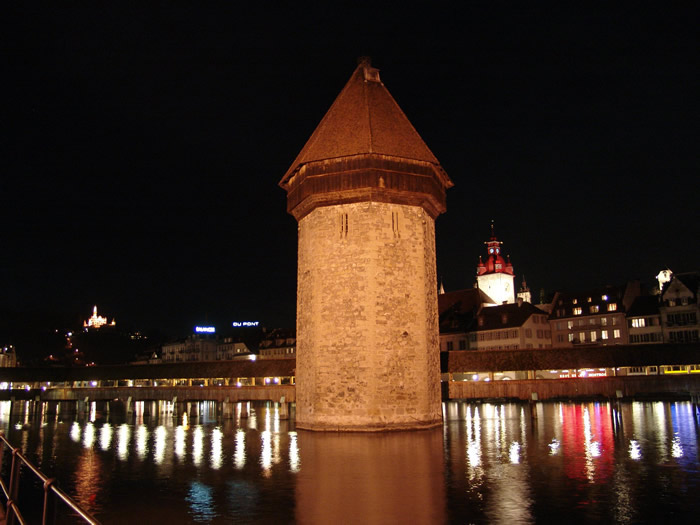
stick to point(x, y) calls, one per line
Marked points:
point(616, 334)
point(578, 311)
point(589, 299)
point(638, 323)
point(575, 301)
point(593, 337)
point(604, 321)
point(569, 324)
point(582, 336)
point(604, 334)
point(612, 307)
point(594, 309)
point(571, 337)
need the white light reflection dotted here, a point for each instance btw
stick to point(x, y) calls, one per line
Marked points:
point(554, 447)
point(74, 431)
point(635, 449)
point(592, 448)
point(266, 452)
point(106, 436)
point(294, 462)
point(124, 435)
point(180, 441)
point(676, 447)
point(475, 470)
point(239, 454)
point(89, 435)
point(216, 454)
point(159, 452)
point(198, 445)
point(93, 411)
point(514, 453)
point(141, 440)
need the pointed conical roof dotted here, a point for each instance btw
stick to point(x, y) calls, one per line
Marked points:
point(364, 119)
point(365, 149)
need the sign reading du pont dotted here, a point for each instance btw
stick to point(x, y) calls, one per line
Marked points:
point(245, 324)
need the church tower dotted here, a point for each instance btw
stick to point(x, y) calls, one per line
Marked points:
point(365, 190)
point(495, 276)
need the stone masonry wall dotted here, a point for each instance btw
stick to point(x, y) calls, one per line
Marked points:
point(367, 324)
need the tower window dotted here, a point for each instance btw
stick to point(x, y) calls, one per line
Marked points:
point(612, 307)
point(395, 224)
point(343, 225)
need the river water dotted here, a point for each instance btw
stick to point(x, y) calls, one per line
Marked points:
point(635, 462)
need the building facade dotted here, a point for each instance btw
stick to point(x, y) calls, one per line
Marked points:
point(644, 321)
point(679, 309)
point(594, 317)
point(510, 327)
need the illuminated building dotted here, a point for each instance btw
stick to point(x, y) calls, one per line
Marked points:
point(96, 321)
point(596, 316)
point(510, 327)
point(524, 292)
point(278, 343)
point(8, 357)
point(457, 312)
point(495, 276)
point(365, 191)
point(196, 347)
point(468, 321)
point(679, 308)
point(644, 321)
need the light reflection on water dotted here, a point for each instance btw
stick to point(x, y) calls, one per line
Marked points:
point(490, 463)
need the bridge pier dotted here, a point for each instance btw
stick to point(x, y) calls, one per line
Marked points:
point(243, 411)
point(284, 409)
point(227, 409)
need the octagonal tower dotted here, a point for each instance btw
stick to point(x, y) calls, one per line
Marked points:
point(366, 190)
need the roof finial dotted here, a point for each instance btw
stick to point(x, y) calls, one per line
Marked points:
point(364, 61)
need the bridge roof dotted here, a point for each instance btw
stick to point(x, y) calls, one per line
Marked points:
point(570, 358)
point(208, 369)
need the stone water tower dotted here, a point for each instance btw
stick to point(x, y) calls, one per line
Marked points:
point(366, 190)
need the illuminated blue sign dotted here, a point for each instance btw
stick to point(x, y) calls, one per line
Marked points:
point(245, 323)
point(205, 329)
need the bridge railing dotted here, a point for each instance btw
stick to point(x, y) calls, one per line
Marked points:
point(52, 494)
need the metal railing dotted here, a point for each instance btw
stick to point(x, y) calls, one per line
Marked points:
point(52, 494)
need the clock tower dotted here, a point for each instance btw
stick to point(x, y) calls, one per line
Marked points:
point(495, 276)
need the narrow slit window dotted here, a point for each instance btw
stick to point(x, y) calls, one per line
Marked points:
point(395, 224)
point(343, 225)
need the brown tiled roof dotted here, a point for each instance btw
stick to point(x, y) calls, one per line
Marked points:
point(462, 301)
point(364, 119)
point(506, 316)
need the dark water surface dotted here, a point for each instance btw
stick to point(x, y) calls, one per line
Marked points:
point(489, 463)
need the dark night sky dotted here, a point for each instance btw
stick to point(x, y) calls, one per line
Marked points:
point(141, 150)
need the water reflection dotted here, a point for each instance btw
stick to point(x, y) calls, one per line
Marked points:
point(491, 462)
point(382, 478)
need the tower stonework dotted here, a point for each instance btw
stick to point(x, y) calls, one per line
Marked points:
point(365, 191)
